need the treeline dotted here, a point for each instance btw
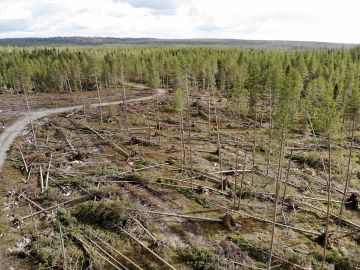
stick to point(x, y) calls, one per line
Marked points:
point(256, 76)
point(239, 43)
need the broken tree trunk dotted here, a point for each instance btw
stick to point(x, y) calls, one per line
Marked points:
point(99, 99)
point(62, 248)
point(106, 253)
point(119, 253)
point(348, 167)
point(267, 221)
point(254, 148)
point(29, 114)
point(327, 226)
point(48, 174)
point(41, 180)
point(145, 247)
point(122, 151)
point(277, 187)
point(146, 230)
point(82, 242)
point(219, 220)
point(286, 182)
point(242, 181)
point(24, 161)
point(42, 210)
point(219, 146)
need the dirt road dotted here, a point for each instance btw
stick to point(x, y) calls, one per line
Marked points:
point(10, 133)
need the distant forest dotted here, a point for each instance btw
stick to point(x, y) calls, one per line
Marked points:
point(240, 43)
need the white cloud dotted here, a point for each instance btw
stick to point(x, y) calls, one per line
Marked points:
point(318, 20)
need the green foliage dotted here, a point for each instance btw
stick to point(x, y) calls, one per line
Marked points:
point(288, 98)
point(64, 216)
point(138, 164)
point(104, 213)
point(340, 261)
point(201, 259)
point(179, 102)
point(193, 195)
point(254, 249)
point(43, 251)
point(325, 115)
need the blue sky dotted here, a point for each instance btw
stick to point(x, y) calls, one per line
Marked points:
point(314, 20)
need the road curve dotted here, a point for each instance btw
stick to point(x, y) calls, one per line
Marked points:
point(8, 136)
point(10, 133)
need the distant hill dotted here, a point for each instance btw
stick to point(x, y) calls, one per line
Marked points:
point(241, 43)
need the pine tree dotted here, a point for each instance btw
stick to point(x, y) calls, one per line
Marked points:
point(352, 109)
point(326, 119)
point(287, 102)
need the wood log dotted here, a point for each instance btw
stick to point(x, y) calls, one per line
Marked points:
point(122, 151)
point(119, 253)
point(148, 249)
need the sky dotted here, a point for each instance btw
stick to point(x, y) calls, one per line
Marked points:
point(304, 20)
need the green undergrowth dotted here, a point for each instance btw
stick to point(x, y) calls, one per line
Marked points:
point(202, 259)
point(259, 251)
point(105, 213)
point(193, 195)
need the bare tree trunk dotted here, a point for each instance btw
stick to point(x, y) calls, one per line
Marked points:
point(158, 125)
point(149, 127)
point(348, 167)
point(219, 147)
point(48, 174)
point(81, 90)
point(209, 115)
point(327, 226)
point(270, 135)
point(242, 179)
point(32, 218)
point(29, 114)
point(236, 174)
point(182, 140)
point(127, 124)
point(286, 182)
point(99, 98)
point(277, 187)
point(41, 180)
point(62, 248)
point(189, 143)
point(254, 148)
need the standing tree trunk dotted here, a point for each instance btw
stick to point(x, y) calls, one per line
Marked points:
point(99, 98)
point(254, 149)
point(124, 102)
point(286, 182)
point(182, 140)
point(348, 167)
point(158, 125)
point(236, 170)
point(81, 90)
point(270, 135)
point(219, 147)
point(242, 180)
point(277, 187)
point(30, 118)
point(327, 226)
point(189, 143)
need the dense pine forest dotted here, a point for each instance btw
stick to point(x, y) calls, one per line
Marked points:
point(244, 159)
point(261, 79)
